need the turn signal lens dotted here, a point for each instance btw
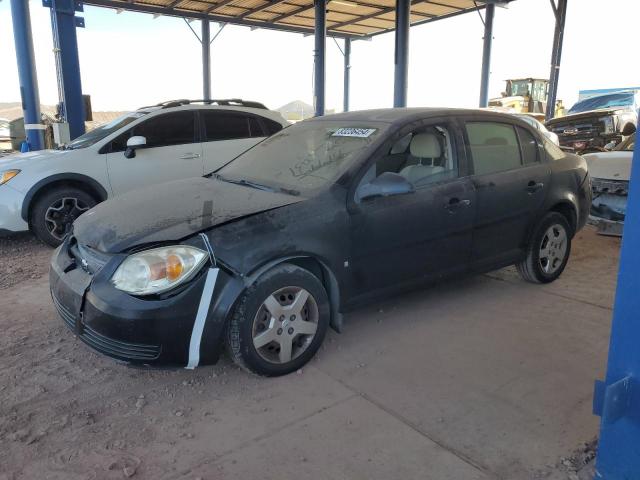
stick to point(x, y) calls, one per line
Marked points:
point(158, 270)
point(7, 175)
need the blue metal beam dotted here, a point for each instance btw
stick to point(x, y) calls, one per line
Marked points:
point(65, 42)
point(206, 59)
point(486, 55)
point(560, 12)
point(401, 56)
point(617, 399)
point(347, 74)
point(27, 74)
point(319, 53)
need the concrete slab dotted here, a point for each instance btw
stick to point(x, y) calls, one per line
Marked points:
point(351, 440)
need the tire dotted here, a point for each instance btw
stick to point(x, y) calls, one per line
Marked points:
point(53, 213)
point(548, 250)
point(257, 339)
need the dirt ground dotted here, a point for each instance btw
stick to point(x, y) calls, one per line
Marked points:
point(484, 377)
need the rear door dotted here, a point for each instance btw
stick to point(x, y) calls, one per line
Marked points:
point(421, 235)
point(226, 134)
point(511, 180)
point(173, 151)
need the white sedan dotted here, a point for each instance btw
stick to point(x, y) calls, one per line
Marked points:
point(45, 191)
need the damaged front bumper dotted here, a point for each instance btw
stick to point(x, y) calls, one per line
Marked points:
point(609, 205)
point(139, 330)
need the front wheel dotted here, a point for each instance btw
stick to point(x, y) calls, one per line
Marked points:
point(54, 212)
point(279, 322)
point(548, 251)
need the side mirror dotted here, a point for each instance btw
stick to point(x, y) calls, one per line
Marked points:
point(385, 185)
point(134, 143)
point(628, 129)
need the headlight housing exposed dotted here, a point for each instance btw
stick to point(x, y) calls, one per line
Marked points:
point(158, 270)
point(609, 126)
point(8, 175)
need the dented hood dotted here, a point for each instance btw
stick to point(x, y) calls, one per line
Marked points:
point(170, 212)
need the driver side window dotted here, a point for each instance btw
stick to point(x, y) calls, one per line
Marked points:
point(424, 156)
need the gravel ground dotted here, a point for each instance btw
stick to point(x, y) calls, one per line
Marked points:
point(22, 257)
point(68, 413)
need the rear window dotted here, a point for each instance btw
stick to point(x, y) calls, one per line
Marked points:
point(227, 126)
point(493, 146)
point(529, 146)
point(272, 126)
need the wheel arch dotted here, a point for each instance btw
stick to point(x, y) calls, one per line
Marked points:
point(569, 211)
point(84, 182)
point(320, 270)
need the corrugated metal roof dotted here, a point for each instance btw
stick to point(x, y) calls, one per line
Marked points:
point(345, 18)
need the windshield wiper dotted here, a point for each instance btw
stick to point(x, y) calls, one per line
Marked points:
point(258, 186)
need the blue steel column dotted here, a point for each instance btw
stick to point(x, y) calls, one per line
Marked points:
point(206, 59)
point(347, 74)
point(319, 54)
point(560, 13)
point(65, 43)
point(403, 12)
point(28, 77)
point(617, 399)
point(486, 55)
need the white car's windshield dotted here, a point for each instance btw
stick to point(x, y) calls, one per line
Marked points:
point(104, 130)
point(305, 156)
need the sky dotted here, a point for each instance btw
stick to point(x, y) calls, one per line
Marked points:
point(129, 60)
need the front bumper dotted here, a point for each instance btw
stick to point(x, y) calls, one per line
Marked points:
point(132, 329)
point(11, 210)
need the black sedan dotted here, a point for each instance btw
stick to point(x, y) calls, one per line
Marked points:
point(266, 253)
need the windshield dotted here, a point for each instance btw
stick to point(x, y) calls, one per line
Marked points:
point(305, 156)
point(103, 131)
point(623, 99)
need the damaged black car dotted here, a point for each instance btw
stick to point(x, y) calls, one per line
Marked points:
point(265, 254)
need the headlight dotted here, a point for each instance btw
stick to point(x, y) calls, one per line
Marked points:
point(609, 127)
point(158, 270)
point(7, 175)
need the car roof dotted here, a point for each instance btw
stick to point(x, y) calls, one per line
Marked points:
point(270, 114)
point(404, 115)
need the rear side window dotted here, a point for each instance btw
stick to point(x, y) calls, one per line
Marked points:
point(272, 126)
point(493, 147)
point(220, 125)
point(529, 146)
point(176, 128)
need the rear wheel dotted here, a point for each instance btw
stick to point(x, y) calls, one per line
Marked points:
point(54, 212)
point(279, 322)
point(548, 251)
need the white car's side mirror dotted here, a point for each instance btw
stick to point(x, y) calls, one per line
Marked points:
point(132, 144)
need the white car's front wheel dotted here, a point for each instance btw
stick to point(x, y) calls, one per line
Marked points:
point(54, 212)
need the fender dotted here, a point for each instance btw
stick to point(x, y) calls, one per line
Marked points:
point(77, 177)
point(330, 282)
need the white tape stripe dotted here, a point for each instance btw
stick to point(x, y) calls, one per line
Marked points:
point(201, 317)
point(34, 126)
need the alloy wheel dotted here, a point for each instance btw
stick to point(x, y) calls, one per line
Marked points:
point(285, 324)
point(553, 249)
point(61, 214)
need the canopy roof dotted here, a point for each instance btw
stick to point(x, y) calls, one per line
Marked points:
point(345, 18)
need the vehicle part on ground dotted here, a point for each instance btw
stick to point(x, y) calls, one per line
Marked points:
point(548, 250)
point(279, 322)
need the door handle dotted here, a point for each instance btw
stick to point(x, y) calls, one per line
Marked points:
point(455, 203)
point(189, 156)
point(533, 187)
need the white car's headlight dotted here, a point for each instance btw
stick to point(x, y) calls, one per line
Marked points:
point(158, 270)
point(8, 175)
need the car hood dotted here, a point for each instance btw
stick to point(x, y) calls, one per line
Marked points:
point(21, 160)
point(583, 115)
point(171, 212)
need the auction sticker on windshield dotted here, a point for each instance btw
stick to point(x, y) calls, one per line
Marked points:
point(353, 132)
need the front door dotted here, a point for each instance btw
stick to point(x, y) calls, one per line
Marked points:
point(173, 151)
point(511, 181)
point(421, 235)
